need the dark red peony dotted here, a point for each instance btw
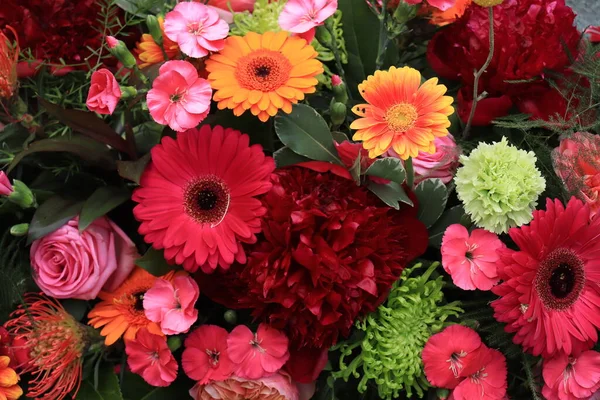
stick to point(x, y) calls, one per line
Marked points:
point(531, 37)
point(55, 30)
point(330, 253)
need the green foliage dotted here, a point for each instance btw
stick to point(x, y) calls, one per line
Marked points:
point(263, 19)
point(432, 195)
point(154, 262)
point(14, 269)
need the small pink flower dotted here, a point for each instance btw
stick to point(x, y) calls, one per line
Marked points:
point(485, 379)
point(6, 188)
point(171, 304)
point(222, 7)
point(336, 80)
point(104, 92)
point(471, 260)
point(257, 354)
point(68, 264)
point(441, 164)
point(196, 28)
point(205, 358)
point(179, 98)
point(568, 377)
point(301, 16)
point(149, 356)
point(111, 42)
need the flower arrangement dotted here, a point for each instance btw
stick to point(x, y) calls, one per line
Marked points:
point(299, 199)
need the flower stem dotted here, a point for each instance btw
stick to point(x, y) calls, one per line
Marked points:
point(336, 54)
point(530, 379)
point(410, 172)
point(476, 96)
point(384, 40)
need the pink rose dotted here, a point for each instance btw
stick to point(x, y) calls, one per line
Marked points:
point(68, 264)
point(441, 164)
point(104, 92)
point(277, 386)
point(6, 188)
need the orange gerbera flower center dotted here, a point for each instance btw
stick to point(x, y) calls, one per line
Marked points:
point(206, 199)
point(401, 117)
point(263, 70)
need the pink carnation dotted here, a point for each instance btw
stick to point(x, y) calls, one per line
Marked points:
point(196, 28)
point(104, 92)
point(149, 356)
point(205, 358)
point(570, 378)
point(6, 188)
point(471, 259)
point(257, 354)
point(179, 98)
point(485, 379)
point(302, 16)
point(441, 164)
point(68, 264)
point(171, 304)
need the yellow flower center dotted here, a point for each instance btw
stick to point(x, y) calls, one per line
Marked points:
point(401, 117)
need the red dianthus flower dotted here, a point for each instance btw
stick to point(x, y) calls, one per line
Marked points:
point(331, 251)
point(531, 37)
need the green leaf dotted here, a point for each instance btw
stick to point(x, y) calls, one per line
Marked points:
point(285, 157)
point(106, 387)
point(177, 390)
point(134, 387)
point(388, 168)
point(83, 147)
point(102, 201)
point(306, 133)
point(51, 215)
point(147, 135)
point(432, 195)
point(339, 137)
point(87, 392)
point(391, 194)
point(154, 262)
point(451, 216)
point(356, 169)
point(132, 170)
point(140, 8)
point(77, 308)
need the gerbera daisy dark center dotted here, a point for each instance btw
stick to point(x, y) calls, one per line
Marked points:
point(560, 279)
point(138, 301)
point(401, 117)
point(207, 199)
point(263, 70)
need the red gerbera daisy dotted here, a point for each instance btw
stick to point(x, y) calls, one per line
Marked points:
point(197, 197)
point(550, 296)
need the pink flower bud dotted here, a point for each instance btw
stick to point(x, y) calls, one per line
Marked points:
point(5, 187)
point(336, 80)
point(112, 42)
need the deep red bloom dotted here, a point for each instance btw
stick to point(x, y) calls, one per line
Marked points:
point(14, 348)
point(305, 364)
point(550, 297)
point(530, 38)
point(54, 30)
point(331, 251)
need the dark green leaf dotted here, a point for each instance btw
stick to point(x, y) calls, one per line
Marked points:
point(356, 169)
point(83, 147)
point(134, 387)
point(285, 156)
point(87, 392)
point(391, 194)
point(102, 201)
point(13, 136)
point(51, 215)
point(89, 124)
point(77, 308)
point(177, 390)
point(154, 262)
point(306, 133)
point(107, 387)
point(432, 195)
point(388, 168)
point(132, 170)
point(147, 135)
point(140, 8)
point(339, 137)
point(451, 216)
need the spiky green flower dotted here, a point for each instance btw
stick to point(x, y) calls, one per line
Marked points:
point(389, 354)
point(499, 185)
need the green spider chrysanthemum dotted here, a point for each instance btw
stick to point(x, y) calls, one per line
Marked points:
point(262, 19)
point(395, 334)
point(499, 185)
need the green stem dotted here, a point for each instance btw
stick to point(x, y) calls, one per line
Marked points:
point(338, 58)
point(410, 172)
point(478, 74)
point(530, 379)
point(383, 36)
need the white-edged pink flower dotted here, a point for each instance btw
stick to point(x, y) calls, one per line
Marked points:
point(302, 16)
point(197, 29)
point(179, 98)
point(471, 259)
point(171, 304)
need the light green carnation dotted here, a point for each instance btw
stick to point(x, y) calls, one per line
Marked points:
point(263, 19)
point(389, 352)
point(499, 186)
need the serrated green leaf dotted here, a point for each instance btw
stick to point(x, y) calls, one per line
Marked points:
point(286, 156)
point(388, 168)
point(154, 262)
point(306, 133)
point(102, 201)
point(51, 215)
point(451, 216)
point(391, 194)
point(432, 195)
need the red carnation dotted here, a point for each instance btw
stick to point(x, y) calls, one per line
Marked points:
point(54, 30)
point(530, 38)
point(331, 251)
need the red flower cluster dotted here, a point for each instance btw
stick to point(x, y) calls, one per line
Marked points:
point(530, 38)
point(331, 251)
point(54, 30)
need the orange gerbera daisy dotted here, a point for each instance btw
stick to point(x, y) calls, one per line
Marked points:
point(149, 52)
point(121, 312)
point(401, 114)
point(263, 73)
point(9, 388)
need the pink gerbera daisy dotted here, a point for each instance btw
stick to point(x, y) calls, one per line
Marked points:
point(569, 378)
point(196, 28)
point(257, 354)
point(471, 259)
point(197, 197)
point(205, 358)
point(550, 297)
point(485, 379)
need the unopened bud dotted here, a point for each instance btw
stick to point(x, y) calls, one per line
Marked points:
point(174, 343)
point(118, 49)
point(19, 230)
point(128, 92)
point(323, 36)
point(230, 317)
point(442, 394)
point(340, 93)
point(338, 113)
point(22, 195)
point(154, 29)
